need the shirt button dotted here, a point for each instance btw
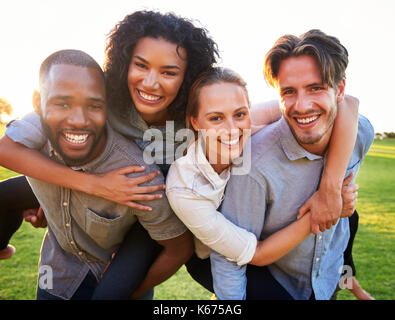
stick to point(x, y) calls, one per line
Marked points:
point(80, 253)
point(65, 204)
point(319, 237)
point(72, 242)
point(67, 224)
point(317, 260)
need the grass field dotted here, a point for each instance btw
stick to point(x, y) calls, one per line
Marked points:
point(373, 251)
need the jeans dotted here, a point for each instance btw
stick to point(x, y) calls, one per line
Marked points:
point(15, 197)
point(124, 273)
point(85, 291)
point(129, 266)
point(261, 285)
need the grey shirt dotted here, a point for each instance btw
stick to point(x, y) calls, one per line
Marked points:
point(84, 230)
point(283, 176)
point(160, 139)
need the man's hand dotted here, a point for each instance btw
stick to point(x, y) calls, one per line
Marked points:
point(325, 206)
point(35, 217)
point(349, 195)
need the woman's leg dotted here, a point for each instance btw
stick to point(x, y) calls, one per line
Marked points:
point(355, 288)
point(348, 260)
point(15, 197)
point(200, 271)
point(129, 266)
point(261, 285)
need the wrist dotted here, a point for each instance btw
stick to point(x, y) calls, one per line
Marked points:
point(331, 185)
point(90, 184)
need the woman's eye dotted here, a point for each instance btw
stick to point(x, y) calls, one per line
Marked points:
point(240, 114)
point(140, 65)
point(169, 73)
point(216, 118)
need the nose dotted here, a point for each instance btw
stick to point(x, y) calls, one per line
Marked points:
point(230, 128)
point(150, 81)
point(302, 104)
point(77, 117)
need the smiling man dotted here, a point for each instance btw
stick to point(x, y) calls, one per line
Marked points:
point(286, 166)
point(84, 230)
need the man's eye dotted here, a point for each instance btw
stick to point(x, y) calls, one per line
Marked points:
point(287, 92)
point(63, 105)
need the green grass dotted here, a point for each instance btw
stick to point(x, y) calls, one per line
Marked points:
point(373, 251)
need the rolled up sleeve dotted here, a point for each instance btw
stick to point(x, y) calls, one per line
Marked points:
point(27, 131)
point(211, 227)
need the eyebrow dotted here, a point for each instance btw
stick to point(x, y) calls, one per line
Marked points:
point(164, 67)
point(60, 97)
point(309, 85)
point(217, 112)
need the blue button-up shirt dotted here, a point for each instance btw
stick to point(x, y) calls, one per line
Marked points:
point(283, 176)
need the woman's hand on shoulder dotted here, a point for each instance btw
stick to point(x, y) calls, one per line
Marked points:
point(116, 186)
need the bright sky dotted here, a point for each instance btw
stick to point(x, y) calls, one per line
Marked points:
point(244, 30)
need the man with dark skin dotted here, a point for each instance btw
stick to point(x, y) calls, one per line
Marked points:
point(83, 230)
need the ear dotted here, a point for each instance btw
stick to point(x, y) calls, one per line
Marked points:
point(194, 123)
point(341, 87)
point(36, 100)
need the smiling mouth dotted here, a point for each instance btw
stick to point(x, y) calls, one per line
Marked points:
point(230, 143)
point(76, 138)
point(307, 120)
point(148, 97)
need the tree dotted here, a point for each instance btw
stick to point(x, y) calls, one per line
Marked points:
point(5, 108)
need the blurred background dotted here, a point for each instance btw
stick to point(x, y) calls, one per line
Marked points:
point(244, 31)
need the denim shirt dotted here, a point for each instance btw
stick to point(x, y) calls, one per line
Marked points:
point(282, 177)
point(84, 230)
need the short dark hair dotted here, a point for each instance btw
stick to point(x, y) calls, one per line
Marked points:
point(330, 54)
point(68, 57)
point(201, 55)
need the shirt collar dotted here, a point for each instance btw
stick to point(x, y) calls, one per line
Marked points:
point(200, 160)
point(290, 146)
point(95, 162)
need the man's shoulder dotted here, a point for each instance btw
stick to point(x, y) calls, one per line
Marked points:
point(124, 152)
point(365, 136)
point(266, 143)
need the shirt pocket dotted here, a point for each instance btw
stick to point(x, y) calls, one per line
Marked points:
point(106, 232)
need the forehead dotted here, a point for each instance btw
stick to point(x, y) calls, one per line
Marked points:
point(161, 51)
point(222, 97)
point(302, 70)
point(64, 77)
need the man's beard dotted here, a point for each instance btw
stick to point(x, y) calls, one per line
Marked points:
point(54, 142)
point(312, 139)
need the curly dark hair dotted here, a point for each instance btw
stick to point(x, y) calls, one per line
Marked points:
point(202, 54)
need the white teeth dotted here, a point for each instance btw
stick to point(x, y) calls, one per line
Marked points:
point(231, 142)
point(306, 120)
point(76, 138)
point(148, 96)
